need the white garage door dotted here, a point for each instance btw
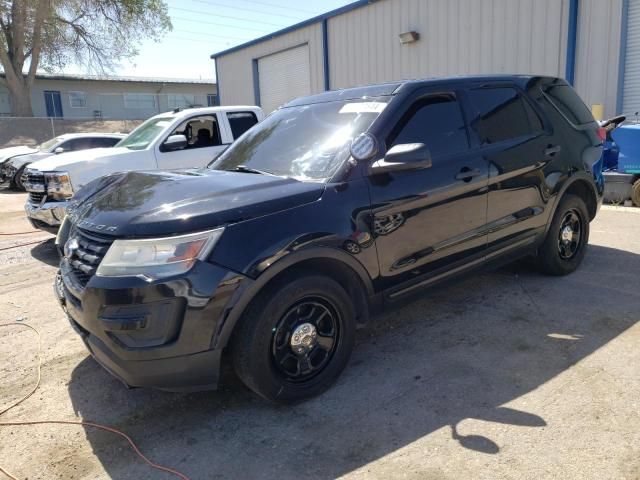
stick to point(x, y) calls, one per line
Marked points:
point(284, 76)
point(631, 95)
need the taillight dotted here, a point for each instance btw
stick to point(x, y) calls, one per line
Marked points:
point(602, 133)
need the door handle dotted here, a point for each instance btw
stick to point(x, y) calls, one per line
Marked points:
point(466, 174)
point(551, 150)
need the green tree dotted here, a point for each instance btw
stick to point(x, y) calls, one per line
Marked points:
point(51, 34)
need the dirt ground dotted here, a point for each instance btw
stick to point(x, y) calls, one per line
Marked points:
point(506, 375)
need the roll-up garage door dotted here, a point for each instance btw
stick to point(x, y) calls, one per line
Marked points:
point(284, 76)
point(631, 94)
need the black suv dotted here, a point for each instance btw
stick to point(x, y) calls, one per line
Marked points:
point(333, 207)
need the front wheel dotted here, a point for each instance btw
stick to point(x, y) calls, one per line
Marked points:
point(16, 181)
point(566, 242)
point(635, 193)
point(295, 338)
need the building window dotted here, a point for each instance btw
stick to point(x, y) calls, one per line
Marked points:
point(78, 99)
point(140, 101)
point(212, 100)
point(181, 101)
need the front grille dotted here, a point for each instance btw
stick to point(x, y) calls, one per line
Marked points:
point(33, 182)
point(31, 176)
point(36, 197)
point(87, 254)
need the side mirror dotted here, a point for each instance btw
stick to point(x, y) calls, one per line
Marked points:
point(58, 150)
point(407, 156)
point(174, 142)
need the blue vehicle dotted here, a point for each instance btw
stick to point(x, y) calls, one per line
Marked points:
point(621, 160)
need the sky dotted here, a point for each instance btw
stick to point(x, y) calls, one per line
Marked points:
point(203, 27)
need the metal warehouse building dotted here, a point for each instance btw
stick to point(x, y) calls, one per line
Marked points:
point(595, 44)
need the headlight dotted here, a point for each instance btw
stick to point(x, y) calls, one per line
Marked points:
point(155, 258)
point(58, 185)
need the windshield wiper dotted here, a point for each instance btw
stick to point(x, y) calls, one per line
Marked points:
point(245, 169)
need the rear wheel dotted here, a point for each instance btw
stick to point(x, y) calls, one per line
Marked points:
point(565, 245)
point(295, 339)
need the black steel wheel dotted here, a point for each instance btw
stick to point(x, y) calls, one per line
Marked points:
point(565, 244)
point(295, 338)
point(305, 339)
point(569, 234)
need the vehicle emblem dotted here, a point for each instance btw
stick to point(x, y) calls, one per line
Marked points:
point(71, 247)
point(96, 226)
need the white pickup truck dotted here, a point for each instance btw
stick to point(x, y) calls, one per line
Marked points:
point(188, 138)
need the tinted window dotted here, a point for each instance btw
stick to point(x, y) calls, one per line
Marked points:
point(437, 122)
point(240, 122)
point(565, 99)
point(502, 114)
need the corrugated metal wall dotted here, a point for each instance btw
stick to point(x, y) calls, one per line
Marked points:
point(631, 98)
point(236, 70)
point(456, 37)
point(598, 52)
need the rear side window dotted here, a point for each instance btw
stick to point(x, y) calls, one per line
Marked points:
point(565, 99)
point(240, 122)
point(437, 122)
point(502, 114)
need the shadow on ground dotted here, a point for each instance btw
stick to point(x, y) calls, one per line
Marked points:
point(46, 252)
point(459, 353)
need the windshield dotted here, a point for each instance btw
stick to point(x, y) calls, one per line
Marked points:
point(307, 142)
point(146, 133)
point(43, 147)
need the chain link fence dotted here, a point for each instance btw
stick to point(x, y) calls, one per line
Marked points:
point(32, 131)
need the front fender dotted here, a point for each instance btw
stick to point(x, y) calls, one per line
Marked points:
point(251, 288)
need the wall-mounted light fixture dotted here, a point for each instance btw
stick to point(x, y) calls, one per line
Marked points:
point(409, 37)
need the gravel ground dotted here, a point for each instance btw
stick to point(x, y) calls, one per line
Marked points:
point(505, 375)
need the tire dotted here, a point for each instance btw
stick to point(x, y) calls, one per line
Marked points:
point(635, 193)
point(16, 181)
point(561, 255)
point(274, 324)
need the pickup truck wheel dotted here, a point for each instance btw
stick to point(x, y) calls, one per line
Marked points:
point(295, 339)
point(565, 244)
point(16, 181)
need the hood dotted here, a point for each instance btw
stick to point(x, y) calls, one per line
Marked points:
point(20, 160)
point(13, 151)
point(65, 161)
point(165, 203)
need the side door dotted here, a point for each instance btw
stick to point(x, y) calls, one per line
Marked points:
point(204, 134)
point(431, 222)
point(517, 146)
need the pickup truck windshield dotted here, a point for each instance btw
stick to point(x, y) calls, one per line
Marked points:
point(307, 142)
point(142, 136)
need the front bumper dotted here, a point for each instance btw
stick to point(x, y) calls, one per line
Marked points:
point(46, 216)
point(160, 334)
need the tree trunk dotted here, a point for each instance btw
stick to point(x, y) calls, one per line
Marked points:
point(20, 96)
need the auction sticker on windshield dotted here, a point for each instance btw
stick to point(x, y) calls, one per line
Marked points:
point(363, 107)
